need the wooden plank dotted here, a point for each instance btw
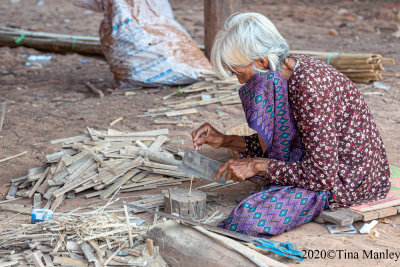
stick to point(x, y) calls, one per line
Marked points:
point(37, 201)
point(77, 164)
point(19, 180)
point(12, 191)
point(69, 261)
point(115, 253)
point(155, 146)
point(57, 202)
point(18, 208)
point(37, 258)
point(3, 114)
point(88, 253)
point(47, 260)
point(70, 140)
point(13, 157)
point(129, 138)
point(159, 157)
point(120, 181)
point(369, 215)
point(160, 166)
point(128, 225)
point(172, 173)
point(382, 213)
point(181, 112)
point(38, 182)
point(151, 133)
point(82, 168)
point(50, 192)
point(144, 183)
point(58, 155)
point(173, 122)
point(340, 216)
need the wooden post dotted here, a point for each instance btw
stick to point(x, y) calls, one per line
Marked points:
point(215, 14)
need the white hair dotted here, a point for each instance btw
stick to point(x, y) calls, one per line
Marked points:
point(246, 37)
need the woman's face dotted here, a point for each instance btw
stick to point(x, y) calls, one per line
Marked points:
point(244, 73)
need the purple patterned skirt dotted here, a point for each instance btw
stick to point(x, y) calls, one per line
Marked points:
point(275, 210)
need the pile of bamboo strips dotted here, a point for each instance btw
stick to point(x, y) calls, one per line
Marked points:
point(99, 237)
point(106, 161)
point(363, 68)
point(211, 90)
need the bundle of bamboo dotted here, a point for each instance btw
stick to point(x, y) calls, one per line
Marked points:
point(361, 68)
point(49, 41)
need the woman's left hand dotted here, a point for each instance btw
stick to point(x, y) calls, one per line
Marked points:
point(242, 169)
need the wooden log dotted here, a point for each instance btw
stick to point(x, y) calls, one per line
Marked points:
point(215, 14)
point(191, 205)
point(255, 257)
point(177, 247)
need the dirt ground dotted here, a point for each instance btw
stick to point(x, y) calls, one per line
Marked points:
point(51, 102)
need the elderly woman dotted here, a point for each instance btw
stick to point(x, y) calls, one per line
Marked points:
point(317, 145)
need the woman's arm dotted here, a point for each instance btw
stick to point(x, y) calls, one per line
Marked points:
point(207, 134)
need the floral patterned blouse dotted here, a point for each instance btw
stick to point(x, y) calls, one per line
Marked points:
point(344, 151)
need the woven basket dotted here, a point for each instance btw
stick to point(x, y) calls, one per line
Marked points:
point(241, 130)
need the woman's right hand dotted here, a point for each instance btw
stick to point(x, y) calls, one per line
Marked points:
point(207, 134)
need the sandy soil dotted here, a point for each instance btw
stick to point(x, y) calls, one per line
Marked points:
point(50, 102)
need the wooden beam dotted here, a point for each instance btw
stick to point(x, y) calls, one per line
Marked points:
point(3, 114)
point(215, 14)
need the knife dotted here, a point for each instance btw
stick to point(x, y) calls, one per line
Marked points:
point(201, 166)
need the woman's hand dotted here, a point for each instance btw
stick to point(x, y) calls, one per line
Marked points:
point(207, 134)
point(242, 169)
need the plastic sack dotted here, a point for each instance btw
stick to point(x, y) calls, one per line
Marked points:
point(144, 45)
